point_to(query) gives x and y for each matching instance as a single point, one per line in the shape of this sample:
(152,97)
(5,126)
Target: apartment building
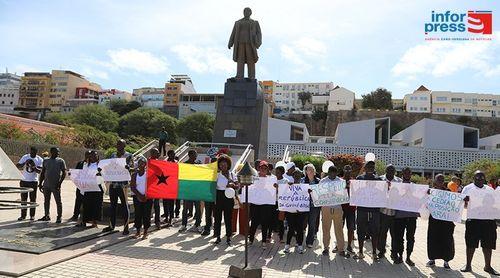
(452,103)
(177,85)
(137,93)
(9,91)
(286,95)
(152,99)
(64,85)
(113,94)
(196,103)
(35,92)
(337,99)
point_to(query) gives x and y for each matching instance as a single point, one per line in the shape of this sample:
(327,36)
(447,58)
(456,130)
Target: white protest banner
(261,192)
(293,198)
(445,205)
(329,193)
(85,179)
(483,204)
(114,169)
(407,196)
(370,194)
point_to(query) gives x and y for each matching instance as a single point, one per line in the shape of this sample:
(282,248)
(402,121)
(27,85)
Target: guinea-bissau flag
(183,181)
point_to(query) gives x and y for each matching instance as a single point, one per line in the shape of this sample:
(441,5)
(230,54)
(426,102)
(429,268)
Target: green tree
(380,166)
(381,98)
(491,169)
(122,106)
(93,138)
(197,127)
(58,118)
(12,131)
(301,160)
(305,97)
(98,116)
(319,115)
(147,122)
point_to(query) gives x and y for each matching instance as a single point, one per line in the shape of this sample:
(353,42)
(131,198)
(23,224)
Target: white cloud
(447,58)
(204,59)
(136,60)
(89,72)
(302,52)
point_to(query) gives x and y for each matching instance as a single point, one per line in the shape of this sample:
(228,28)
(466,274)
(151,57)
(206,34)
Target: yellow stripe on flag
(198,172)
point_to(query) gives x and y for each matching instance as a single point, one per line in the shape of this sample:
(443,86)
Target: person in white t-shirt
(31,164)
(479,230)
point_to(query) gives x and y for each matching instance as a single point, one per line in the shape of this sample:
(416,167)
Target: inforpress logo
(453,24)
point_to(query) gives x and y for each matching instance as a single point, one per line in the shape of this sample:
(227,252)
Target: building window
(456,110)
(423,98)
(296,133)
(455,99)
(440,109)
(417,142)
(498,146)
(441,99)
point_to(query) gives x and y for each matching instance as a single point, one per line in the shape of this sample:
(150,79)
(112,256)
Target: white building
(490,142)
(152,99)
(137,93)
(197,103)
(433,134)
(286,95)
(452,103)
(338,99)
(286,132)
(113,94)
(9,91)
(372,132)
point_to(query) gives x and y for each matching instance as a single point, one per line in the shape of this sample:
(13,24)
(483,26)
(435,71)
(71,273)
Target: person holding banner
(295,221)
(92,200)
(349,212)
(261,214)
(368,219)
(117,190)
(155,154)
(280,180)
(332,214)
(188,205)
(387,215)
(440,242)
(142,205)
(404,220)
(224,205)
(168,205)
(79,195)
(479,230)
(314,212)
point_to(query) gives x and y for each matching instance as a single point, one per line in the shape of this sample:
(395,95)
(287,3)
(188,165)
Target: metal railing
(146,148)
(243,158)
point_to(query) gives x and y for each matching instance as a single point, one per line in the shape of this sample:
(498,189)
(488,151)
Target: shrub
(301,160)
(340,160)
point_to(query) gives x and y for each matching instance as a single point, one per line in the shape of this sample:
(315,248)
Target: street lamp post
(245,177)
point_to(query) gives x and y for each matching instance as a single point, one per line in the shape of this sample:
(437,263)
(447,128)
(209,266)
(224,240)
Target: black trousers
(47,193)
(188,205)
(114,194)
(177,208)
(224,206)
(78,203)
(32,195)
(260,215)
(162,147)
(400,225)
(142,214)
(386,225)
(168,209)
(209,214)
(295,227)
(156,205)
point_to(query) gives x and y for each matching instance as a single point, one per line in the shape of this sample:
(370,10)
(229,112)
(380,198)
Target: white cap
(289,165)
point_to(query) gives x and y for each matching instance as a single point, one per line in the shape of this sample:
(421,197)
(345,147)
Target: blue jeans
(311,224)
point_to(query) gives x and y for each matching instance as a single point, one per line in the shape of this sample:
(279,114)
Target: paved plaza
(167,253)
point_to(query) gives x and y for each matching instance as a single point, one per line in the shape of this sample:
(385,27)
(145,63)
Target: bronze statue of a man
(246,38)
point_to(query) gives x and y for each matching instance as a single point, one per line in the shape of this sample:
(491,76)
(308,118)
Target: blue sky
(360,45)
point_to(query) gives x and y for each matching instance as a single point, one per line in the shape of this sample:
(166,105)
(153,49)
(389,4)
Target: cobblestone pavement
(168,253)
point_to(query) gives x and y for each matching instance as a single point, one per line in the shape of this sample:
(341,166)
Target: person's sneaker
(45,218)
(125,232)
(446,265)
(182,229)
(359,256)
(398,260)
(301,249)
(32,218)
(326,252)
(344,254)
(73,218)
(228,242)
(381,255)
(409,262)
(205,233)
(21,218)
(58,220)
(108,229)
(376,257)
(309,246)
(491,271)
(466,269)
(335,250)
(349,249)
(217,241)
(287,248)
(430,263)
(200,229)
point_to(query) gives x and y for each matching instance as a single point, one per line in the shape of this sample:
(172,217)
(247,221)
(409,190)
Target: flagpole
(247,210)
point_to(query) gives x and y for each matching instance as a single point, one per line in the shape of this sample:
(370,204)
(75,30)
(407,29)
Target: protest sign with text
(445,205)
(113,169)
(483,204)
(261,192)
(293,198)
(368,193)
(85,179)
(407,196)
(329,193)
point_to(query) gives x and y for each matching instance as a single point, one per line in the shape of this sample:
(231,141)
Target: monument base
(238,272)
(242,116)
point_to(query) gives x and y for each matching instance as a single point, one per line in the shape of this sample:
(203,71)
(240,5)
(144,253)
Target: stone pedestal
(242,116)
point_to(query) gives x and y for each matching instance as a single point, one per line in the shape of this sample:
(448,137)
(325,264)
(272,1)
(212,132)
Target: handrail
(182,148)
(244,156)
(145,148)
(286,154)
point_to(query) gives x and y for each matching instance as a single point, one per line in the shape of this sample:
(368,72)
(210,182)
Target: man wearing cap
(368,219)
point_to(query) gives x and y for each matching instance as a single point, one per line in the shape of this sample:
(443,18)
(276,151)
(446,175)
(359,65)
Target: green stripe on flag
(197,190)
